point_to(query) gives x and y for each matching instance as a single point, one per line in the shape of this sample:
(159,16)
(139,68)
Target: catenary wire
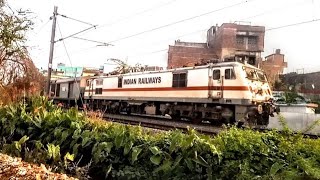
(294,24)
(61,39)
(180,21)
(89,40)
(136,14)
(75,78)
(270,29)
(76,19)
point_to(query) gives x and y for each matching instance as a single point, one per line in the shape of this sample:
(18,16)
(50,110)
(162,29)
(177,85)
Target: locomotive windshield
(254,74)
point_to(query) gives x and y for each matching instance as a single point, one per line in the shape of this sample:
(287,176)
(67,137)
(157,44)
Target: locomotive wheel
(196,118)
(176,116)
(252,118)
(128,110)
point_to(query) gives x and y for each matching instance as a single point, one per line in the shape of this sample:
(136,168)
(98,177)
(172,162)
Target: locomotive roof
(220,64)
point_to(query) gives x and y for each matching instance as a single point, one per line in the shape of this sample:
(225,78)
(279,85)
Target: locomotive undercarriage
(217,114)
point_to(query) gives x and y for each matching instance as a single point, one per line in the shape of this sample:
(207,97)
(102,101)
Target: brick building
(273,65)
(189,54)
(230,41)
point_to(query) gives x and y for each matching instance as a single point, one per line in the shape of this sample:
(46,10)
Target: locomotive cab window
(119,82)
(216,74)
(179,80)
(98,91)
(229,74)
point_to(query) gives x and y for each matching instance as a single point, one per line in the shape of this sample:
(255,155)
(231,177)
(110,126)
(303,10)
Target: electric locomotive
(224,92)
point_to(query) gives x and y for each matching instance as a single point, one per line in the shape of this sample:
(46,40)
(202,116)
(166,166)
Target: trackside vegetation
(70,142)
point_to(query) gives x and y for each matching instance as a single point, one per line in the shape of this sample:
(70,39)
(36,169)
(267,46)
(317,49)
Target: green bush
(69,142)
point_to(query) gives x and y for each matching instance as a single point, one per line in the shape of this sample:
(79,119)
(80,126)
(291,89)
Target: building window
(99,82)
(252,40)
(179,80)
(88,82)
(229,74)
(240,39)
(216,74)
(98,90)
(119,82)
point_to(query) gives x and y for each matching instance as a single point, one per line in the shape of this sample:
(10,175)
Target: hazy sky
(122,18)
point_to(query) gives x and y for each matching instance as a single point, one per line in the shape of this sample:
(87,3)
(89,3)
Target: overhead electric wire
(61,39)
(294,24)
(76,20)
(75,77)
(270,29)
(202,30)
(40,29)
(272,10)
(76,51)
(89,40)
(180,21)
(136,14)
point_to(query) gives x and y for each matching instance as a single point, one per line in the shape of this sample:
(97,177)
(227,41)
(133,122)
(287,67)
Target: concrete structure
(298,108)
(229,42)
(296,122)
(307,84)
(273,65)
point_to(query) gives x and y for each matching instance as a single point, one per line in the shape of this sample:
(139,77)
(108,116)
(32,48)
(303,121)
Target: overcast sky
(122,18)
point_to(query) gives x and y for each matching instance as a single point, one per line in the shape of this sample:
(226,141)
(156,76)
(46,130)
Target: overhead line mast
(53,33)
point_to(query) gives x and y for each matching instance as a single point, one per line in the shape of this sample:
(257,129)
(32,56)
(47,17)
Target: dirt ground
(13,168)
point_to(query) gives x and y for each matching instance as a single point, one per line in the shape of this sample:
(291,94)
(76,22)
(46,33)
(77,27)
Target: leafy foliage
(70,142)
(17,71)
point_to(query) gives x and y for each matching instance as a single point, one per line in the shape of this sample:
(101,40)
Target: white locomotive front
(221,92)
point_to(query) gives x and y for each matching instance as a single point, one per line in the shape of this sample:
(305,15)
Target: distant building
(229,42)
(307,84)
(63,72)
(274,65)
(69,71)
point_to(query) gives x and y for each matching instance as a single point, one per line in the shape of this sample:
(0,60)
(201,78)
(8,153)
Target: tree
(124,67)
(17,71)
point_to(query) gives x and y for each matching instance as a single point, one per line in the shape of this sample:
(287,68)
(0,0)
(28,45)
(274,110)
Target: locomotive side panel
(194,84)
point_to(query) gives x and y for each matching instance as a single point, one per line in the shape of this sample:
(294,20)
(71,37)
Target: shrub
(70,142)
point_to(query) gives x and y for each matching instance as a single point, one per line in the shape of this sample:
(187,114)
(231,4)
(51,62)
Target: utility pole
(53,32)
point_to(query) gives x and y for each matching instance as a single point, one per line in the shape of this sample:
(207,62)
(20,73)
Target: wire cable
(76,20)
(271,11)
(61,39)
(294,24)
(40,29)
(180,21)
(102,43)
(75,78)
(136,14)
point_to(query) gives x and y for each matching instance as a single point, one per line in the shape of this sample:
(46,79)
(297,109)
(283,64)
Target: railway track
(161,123)
(166,123)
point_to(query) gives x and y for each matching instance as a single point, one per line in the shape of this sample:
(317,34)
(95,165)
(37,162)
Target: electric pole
(53,32)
